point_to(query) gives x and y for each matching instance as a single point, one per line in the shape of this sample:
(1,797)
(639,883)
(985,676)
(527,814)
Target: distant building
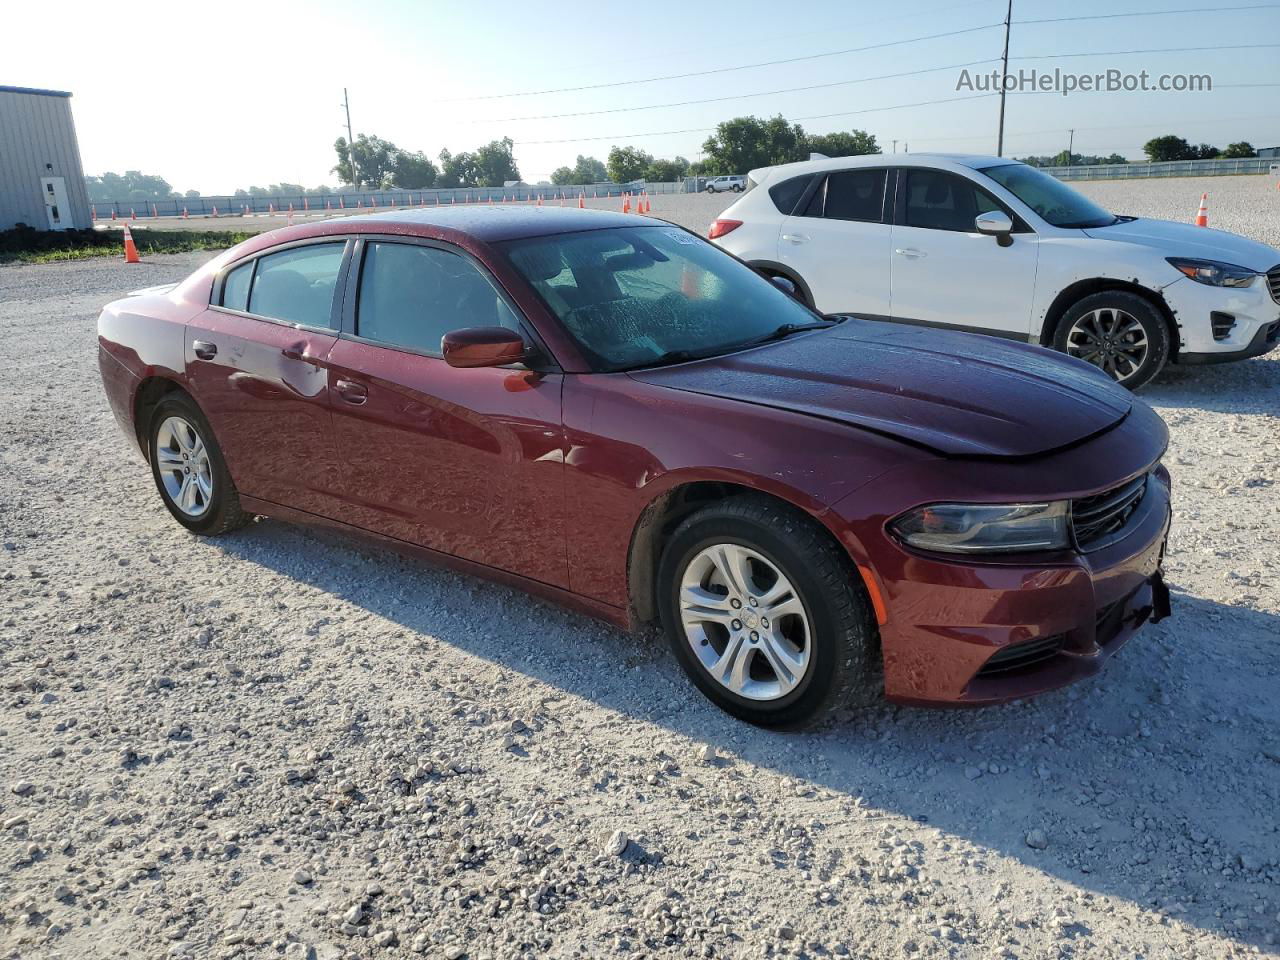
(1269,152)
(41,180)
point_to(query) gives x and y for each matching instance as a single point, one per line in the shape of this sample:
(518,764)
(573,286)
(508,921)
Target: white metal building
(41,180)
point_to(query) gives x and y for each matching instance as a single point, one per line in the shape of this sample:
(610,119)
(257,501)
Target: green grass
(25,245)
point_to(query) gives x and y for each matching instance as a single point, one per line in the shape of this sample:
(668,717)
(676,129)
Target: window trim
(335,315)
(540,358)
(900,201)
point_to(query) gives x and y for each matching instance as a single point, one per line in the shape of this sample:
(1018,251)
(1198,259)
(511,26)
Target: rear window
(235,288)
(297,285)
(855,195)
(787,194)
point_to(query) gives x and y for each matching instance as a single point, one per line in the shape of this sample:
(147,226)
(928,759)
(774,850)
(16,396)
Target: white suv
(995,246)
(737,183)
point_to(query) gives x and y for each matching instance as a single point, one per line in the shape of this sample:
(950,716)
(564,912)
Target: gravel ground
(279,744)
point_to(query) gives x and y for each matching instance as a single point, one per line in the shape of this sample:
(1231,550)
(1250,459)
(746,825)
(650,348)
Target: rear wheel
(766,615)
(189,470)
(1121,333)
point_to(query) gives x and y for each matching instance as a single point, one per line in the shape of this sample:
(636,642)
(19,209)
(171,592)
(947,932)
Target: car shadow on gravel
(1249,386)
(1155,782)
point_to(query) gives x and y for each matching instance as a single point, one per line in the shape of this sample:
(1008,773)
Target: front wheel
(1123,334)
(766,614)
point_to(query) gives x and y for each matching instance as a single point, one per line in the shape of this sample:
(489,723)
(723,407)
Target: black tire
(220,512)
(710,188)
(1122,370)
(737,188)
(844,666)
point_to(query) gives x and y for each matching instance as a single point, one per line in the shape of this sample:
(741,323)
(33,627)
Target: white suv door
(838,242)
(944,272)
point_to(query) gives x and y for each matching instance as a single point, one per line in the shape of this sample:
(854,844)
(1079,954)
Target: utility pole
(1071,140)
(346,105)
(1004,77)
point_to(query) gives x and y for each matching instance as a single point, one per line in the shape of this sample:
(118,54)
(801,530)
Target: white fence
(1172,168)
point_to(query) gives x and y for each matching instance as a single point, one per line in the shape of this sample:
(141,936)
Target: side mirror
(482,347)
(996,224)
(785,285)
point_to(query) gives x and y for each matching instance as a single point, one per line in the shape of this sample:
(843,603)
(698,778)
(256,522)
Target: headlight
(986,528)
(1213,273)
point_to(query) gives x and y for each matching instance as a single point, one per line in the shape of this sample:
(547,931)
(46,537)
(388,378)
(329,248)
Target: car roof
(492,223)
(972,160)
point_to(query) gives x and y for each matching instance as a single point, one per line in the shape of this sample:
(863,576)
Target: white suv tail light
(720,227)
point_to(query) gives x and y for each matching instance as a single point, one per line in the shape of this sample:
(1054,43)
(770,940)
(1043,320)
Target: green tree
(368,163)
(1239,151)
(744,143)
(853,143)
(495,164)
(667,171)
(627,163)
(412,171)
(1168,147)
(132,185)
(589,170)
(1206,151)
(562,176)
(456,170)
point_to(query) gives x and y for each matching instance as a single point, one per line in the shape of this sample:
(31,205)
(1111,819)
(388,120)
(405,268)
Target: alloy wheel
(1112,340)
(182,459)
(745,622)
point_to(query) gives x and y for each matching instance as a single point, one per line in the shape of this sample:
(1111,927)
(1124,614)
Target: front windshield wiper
(787,329)
(665,359)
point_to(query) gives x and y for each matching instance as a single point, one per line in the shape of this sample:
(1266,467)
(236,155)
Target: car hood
(1187,240)
(959,394)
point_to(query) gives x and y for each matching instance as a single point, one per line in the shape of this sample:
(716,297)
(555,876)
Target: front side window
(1049,197)
(411,296)
(936,200)
(297,285)
(637,296)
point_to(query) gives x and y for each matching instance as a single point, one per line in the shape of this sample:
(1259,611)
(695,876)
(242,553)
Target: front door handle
(351,391)
(910,252)
(204,349)
(795,237)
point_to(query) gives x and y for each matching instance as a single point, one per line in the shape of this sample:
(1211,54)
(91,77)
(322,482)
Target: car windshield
(1048,196)
(645,296)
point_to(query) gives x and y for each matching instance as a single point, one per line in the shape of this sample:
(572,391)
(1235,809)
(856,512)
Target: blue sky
(215,98)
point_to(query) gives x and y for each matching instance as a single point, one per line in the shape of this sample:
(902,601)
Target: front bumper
(949,622)
(1255,317)
(1045,625)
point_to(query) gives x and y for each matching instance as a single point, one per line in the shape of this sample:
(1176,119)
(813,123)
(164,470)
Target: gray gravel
(279,744)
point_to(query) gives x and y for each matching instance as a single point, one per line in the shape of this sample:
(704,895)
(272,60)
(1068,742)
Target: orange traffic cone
(582,201)
(215,212)
(1202,215)
(130,251)
(626,203)
(154,212)
(133,214)
(93,212)
(113,213)
(184,213)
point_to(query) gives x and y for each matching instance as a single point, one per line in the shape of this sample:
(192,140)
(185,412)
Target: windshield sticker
(679,236)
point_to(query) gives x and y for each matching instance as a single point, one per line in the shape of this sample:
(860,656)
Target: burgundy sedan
(608,411)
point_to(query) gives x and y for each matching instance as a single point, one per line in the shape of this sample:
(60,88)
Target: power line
(742,96)
(1120,53)
(1150,13)
(818,116)
(719,70)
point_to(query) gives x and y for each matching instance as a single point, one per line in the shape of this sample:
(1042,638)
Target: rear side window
(297,285)
(235,288)
(411,296)
(787,194)
(855,195)
(943,201)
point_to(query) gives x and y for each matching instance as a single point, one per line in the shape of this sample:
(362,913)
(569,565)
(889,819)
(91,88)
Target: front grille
(1016,656)
(1095,519)
(1273,282)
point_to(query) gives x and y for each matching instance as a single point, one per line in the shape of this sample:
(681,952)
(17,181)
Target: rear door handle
(298,351)
(204,349)
(351,391)
(795,237)
(910,252)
